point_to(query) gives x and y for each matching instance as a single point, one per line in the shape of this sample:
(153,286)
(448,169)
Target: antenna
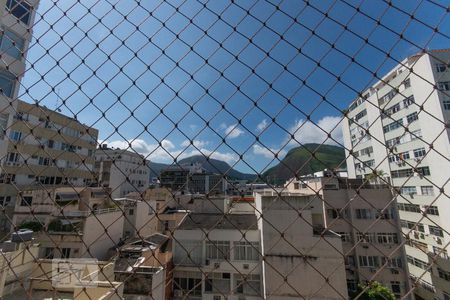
(57,100)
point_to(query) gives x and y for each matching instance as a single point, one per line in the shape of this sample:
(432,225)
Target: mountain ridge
(298,161)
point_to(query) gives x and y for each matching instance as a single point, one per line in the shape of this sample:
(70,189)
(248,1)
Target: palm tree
(376,175)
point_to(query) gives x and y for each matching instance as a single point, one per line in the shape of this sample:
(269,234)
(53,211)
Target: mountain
(155,169)
(297,159)
(211,165)
(300,160)
(217,166)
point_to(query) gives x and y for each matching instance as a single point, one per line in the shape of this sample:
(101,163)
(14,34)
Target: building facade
(366,217)
(43,148)
(122,171)
(399,128)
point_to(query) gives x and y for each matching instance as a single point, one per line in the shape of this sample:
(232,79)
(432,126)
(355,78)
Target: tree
(373,291)
(376,175)
(33,225)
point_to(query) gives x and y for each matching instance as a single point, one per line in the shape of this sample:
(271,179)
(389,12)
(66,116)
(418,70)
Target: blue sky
(156,80)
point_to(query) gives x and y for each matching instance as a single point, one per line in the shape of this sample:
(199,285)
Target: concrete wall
(97,239)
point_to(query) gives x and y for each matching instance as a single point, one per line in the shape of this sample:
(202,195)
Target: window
(424,171)
(12,157)
(418,153)
(246,251)
(217,283)
(407,83)
(412,225)
(131,212)
(409,207)
(7,83)
(427,190)
(20,9)
(434,230)
(49,253)
(392,126)
(387,238)
(26,201)
(44,161)
(369,261)
(395,262)
(218,250)
(366,237)
(441,67)
(446,104)
(337,213)
(3,125)
(352,285)
(189,283)
(360,115)
(363,213)
(408,101)
(431,210)
(345,237)
(417,262)
(15,135)
(444,86)
(11,44)
(408,190)
(396,288)
(5,200)
(444,274)
(412,117)
(247,284)
(65,252)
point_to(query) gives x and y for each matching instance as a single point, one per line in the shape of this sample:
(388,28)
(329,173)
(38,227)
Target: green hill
(217,166)
(302,161)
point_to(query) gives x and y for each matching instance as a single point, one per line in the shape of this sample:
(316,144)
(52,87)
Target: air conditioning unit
(216,265)
(394,271)
(246,266)
(207,262)
(372,270)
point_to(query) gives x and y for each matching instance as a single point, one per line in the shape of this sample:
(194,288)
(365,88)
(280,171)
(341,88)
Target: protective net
(225,149)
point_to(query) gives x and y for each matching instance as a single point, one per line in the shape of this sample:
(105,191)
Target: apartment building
(218,255)
(122,171)
(212,266)
(193,179)
(17,257)
(366,217)
(70,222)
(42,148)
(399,127)
(299,261)
(144,265)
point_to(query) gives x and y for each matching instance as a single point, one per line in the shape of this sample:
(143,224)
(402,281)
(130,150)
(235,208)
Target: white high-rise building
(122,171)
(399,128)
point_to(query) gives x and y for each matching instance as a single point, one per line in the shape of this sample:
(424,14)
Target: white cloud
(262,125)
(268,152)
(308,132)
(197,143)
(233,131)
(167,151)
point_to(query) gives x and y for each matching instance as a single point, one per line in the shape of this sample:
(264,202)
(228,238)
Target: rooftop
(219,221)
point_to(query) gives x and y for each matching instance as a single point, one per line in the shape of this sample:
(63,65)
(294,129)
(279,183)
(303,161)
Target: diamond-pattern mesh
(224,149)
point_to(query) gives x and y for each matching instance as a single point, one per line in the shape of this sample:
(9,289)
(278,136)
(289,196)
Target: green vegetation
(57,226)
(374,291)
(306,159)
(33,225)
